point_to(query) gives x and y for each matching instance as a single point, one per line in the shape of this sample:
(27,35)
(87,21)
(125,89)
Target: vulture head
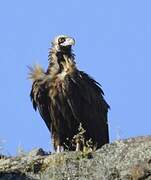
(63,43)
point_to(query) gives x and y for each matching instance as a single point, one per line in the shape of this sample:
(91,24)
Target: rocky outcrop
(122,160)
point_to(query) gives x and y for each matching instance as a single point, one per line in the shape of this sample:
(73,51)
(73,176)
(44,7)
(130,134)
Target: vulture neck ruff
(61,63)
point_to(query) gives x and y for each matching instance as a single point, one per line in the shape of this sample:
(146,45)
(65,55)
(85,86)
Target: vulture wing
(40,100)
(85,97)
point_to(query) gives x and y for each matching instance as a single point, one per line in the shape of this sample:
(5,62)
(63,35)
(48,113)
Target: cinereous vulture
(67,97)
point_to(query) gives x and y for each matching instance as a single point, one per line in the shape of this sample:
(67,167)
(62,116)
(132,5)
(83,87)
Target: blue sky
(113,42)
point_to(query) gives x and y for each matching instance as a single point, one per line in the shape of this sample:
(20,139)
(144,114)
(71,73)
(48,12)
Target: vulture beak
(68,42)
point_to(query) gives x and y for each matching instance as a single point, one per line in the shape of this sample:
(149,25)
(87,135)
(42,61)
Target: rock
(37,151)
(122,160)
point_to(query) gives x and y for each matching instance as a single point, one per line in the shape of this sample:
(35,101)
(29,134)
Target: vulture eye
(61,40)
